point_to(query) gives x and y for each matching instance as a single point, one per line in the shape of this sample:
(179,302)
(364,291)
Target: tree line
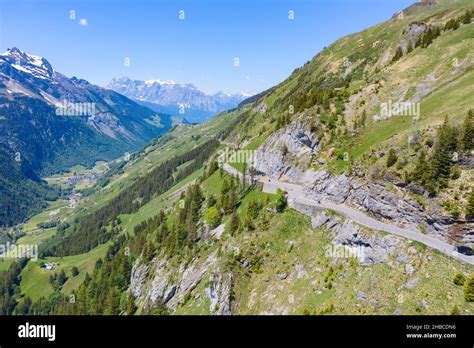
(94,229)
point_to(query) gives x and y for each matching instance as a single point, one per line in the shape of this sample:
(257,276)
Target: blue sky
(199,49)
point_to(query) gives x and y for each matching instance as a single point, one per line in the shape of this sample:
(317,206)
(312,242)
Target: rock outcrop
(160,282)
(219,290)
(381,203)
(286,154)
(412,35)
(368,248)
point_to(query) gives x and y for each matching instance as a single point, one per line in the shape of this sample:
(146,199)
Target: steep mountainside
(21,192)
(183,100)
(325,128)
(354,124)
(245,217)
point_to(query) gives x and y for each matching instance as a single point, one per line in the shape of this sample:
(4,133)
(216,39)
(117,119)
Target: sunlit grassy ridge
(358,66)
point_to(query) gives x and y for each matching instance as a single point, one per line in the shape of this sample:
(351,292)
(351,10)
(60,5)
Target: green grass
(34,280)
(254,194)
(380,132)
(36,235)
(263,291)
(5,263)
(163,201)
(213,184)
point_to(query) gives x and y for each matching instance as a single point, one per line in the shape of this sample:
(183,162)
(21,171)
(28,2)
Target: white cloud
(83,22)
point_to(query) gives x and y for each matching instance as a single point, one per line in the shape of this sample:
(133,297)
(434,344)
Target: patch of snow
(160,82)
(39,74)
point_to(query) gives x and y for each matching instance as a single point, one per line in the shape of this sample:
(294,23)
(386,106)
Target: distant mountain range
(49,122)
(183,100)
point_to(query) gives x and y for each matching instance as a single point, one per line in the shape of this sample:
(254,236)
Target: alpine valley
(345,189)
(35,141)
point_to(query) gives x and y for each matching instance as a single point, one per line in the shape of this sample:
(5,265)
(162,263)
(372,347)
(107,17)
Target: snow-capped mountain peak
(170,97)
(34,65)
(223,94)
(160,82)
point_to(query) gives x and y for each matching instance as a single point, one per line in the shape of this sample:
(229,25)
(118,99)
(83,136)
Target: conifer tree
(441,160)
(398,54)
(421,170)
(467,132)
(62,278)
(470,206)
(466,18)
(391,158)
(234,223)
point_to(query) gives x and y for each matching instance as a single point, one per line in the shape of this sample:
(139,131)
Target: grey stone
(402,258)
(246,263)
(320,219)
(361,296)
(414,138)
(411,283)
(409,270)
(416,189)
(287,152)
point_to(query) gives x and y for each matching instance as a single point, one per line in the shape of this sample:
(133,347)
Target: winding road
(296,194)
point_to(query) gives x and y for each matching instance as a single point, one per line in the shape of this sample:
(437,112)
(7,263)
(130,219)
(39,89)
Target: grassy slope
(261,289)
(34,280)
(383,284)
(367,49)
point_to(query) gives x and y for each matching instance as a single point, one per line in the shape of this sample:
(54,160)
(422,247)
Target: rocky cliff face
(160,281)
(393,205)
(287,153)
(286,156)
(412,35)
